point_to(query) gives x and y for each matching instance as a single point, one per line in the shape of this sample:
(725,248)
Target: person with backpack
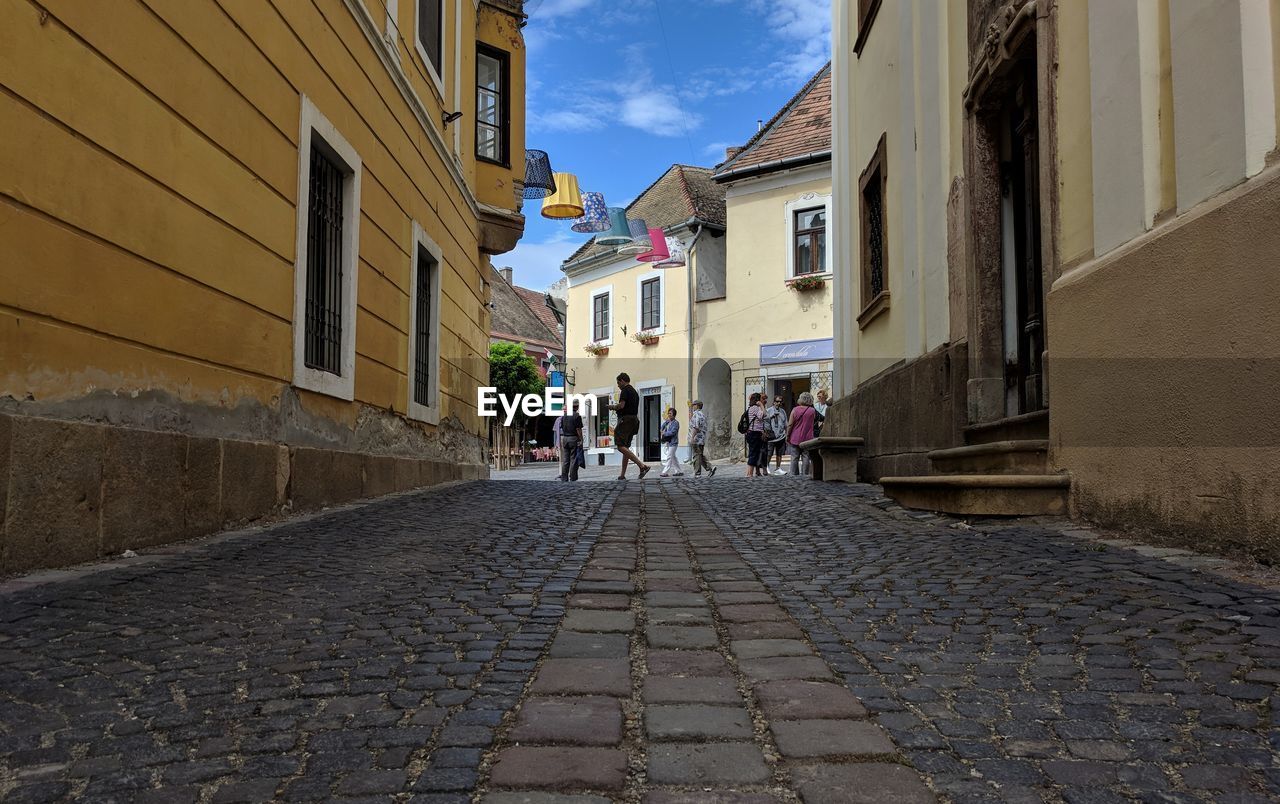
(752,426)
(570,432)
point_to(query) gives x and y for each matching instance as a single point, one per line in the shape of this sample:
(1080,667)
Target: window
(492,77)
(600,304)
(866,16)
(872,193)
(424,328)
(325,265)
(430,36)
(810,242)
(651,304)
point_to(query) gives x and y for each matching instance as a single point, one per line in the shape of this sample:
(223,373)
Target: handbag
(580,457)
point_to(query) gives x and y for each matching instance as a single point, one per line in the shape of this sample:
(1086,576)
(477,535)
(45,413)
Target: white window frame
(425,413)
(315,126)
(444,40)
(607,290)
(806,202)
(661,276)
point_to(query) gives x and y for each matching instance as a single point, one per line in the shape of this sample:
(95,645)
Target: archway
(715,387)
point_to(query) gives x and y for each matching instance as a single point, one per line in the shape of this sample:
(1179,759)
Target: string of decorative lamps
(563,200)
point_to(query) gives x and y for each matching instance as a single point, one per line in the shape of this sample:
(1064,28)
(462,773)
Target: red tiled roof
(801,127)
(538,304)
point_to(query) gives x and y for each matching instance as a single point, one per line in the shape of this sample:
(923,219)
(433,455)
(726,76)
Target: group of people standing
(770,431)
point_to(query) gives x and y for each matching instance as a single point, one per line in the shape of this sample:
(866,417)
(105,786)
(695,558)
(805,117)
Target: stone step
(1025,457)
(982,495)
(1014,428)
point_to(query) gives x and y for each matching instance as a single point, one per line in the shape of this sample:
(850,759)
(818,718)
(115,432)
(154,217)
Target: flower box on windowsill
(645,338)
(596,349)
(804,284)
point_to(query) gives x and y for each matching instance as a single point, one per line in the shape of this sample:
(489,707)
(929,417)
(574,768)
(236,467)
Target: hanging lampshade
(659,251)
(538,181)
(566,202)
(619,233)
(639,237)
(595,215)
(677,259)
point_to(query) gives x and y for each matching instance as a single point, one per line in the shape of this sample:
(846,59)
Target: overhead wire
(671,70)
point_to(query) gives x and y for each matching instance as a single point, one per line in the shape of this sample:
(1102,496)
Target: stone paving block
(584,677)
(738,598)
(772,669)
(571,721)
(573,645)
(509,797)
(560,768)
(774,630)
(672,584)
(605,575)
(599,601)
(672,689)
(708,797)
(697,722)
(687,663)
(681,637)
(830,738)
(597,621)
(764,648)
(754,613)
(674,599)
(605,587)
(682,616)
(807,700)
(861,783)
(710,764)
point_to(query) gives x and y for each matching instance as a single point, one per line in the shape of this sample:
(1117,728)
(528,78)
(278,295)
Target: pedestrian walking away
(800,427)
(757,459)
(698,439)
(670,445)
(569,432)
(628,410)
(775,429)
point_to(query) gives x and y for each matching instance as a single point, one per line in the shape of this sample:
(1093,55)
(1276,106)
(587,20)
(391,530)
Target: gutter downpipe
(688,270)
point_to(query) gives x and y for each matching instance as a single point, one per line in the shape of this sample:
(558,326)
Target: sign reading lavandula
(797,351)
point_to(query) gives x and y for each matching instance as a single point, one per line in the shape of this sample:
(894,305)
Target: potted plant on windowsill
(803,284)
(596,349)
(645,337)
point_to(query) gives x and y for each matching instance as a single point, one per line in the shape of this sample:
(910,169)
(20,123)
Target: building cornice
(750,171)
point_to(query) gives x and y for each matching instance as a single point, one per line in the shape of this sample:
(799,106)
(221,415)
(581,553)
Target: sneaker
(662,475)
(712,472)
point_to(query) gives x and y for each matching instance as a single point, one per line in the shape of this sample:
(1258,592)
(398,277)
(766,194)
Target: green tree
(513,372)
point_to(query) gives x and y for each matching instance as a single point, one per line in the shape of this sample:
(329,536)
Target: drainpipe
(688,270)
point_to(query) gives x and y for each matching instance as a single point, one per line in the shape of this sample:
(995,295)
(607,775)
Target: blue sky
(614,103)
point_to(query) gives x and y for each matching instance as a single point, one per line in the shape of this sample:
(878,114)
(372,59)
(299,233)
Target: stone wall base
(904,413)
(73,491)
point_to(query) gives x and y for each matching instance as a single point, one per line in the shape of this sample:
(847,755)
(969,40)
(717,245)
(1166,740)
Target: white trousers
(670,463)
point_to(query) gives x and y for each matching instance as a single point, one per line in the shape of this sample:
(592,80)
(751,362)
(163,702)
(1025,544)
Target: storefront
(792,368)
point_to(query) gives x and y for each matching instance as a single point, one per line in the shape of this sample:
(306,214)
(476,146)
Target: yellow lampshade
(566,202)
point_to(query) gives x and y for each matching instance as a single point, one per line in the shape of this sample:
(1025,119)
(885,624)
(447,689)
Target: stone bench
(834,457)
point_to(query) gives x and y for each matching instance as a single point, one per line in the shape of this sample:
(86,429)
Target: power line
(671,70)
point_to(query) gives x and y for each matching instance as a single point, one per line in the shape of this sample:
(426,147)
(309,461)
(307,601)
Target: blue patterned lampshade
(639,237)
(677,258)
(538,181)
(619,233)
(595,215)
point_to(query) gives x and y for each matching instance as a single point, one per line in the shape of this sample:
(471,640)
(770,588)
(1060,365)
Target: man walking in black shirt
(570,440)
(628,409)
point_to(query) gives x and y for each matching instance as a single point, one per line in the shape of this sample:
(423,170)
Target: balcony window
(492,104)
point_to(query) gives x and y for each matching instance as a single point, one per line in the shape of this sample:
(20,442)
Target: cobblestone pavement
(730,641)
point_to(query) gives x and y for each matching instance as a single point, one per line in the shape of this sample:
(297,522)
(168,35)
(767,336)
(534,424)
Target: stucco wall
(1164,373)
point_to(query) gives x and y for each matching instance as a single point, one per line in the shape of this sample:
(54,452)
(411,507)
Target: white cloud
(538,264)
(658,113)
(550,9)
(806,25)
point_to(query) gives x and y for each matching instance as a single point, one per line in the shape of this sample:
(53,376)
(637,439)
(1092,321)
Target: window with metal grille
(811,241)
(323,333)
(423,367)
(491,104)
(600,317)
(651,304)
(874,244)
(431,33)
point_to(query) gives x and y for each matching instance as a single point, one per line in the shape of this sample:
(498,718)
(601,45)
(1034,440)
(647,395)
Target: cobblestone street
(715,640)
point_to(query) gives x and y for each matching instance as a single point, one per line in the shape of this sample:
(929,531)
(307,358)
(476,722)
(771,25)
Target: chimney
(759,126)
(507,274)
(730,153)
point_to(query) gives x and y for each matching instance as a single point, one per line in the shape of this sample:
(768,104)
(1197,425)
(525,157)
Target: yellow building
(769,328)
(614,299)
(246,254)
(1075,227)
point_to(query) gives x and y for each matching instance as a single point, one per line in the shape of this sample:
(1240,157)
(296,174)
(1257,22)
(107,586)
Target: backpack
(743,424)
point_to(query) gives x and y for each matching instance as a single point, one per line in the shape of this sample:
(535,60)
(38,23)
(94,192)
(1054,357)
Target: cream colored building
(761,331)
(612,297)
(1076,245)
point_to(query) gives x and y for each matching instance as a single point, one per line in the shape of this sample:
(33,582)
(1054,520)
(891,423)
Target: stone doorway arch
(715,389)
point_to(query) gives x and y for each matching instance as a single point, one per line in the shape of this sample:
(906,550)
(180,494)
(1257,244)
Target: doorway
(652,430)
(790,390)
